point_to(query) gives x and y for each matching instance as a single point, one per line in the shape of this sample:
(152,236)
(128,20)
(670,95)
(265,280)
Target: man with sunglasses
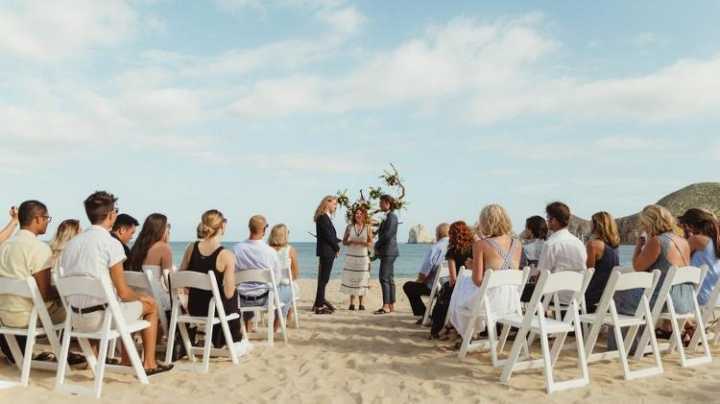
(24,256)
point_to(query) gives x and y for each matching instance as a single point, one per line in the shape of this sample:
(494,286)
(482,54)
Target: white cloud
(309,163)
(644,39)
(345,20)
(46,30)
(632,143)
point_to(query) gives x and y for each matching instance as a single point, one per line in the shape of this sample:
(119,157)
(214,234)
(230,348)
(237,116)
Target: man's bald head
(257,225)
(442,231)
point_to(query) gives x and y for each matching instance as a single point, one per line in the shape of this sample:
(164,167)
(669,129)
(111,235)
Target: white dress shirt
(563,251)
(92,252)
(255,254)
(433,258)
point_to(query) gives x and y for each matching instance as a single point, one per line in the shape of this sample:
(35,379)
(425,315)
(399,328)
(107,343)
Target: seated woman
(536,231)
(151,253)
(703,235)
(459,254)
(497,251)
(602,254)
(287,256)
(66,230)
(661,249)
(208,255)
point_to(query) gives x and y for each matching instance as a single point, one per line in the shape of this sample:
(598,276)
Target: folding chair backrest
(138,280)
(635,280)
(506,277)
(16,287)
(254,275)
(569,281)
(190,279)
(81,285)
(689,274)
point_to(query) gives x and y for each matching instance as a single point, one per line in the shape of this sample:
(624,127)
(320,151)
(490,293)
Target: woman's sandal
(381,311)
(322,310)
(351,307)
(361,308)
(159,369)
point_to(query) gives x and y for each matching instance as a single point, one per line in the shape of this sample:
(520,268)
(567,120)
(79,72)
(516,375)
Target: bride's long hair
(322,208)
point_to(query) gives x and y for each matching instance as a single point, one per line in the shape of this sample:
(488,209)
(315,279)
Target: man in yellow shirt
(24,256)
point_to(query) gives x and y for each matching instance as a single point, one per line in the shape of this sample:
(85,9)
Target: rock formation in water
(420,235)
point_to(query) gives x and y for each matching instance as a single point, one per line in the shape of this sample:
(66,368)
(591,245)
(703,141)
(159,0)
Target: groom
(387,250)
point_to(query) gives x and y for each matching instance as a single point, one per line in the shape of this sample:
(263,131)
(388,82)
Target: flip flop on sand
(381,311)
(159,369)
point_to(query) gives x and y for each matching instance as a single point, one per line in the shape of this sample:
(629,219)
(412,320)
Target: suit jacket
(328,243)
(386,245)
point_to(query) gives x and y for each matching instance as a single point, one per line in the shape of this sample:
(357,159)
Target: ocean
(406,266)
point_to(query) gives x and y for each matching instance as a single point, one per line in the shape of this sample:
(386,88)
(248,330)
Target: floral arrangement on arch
(391,179)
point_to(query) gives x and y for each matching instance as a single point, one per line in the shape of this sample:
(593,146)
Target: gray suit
(386,248)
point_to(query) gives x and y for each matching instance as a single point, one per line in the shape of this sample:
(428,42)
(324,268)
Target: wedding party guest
(428,271)
(387,250)
(151,253)
(327,249)
(24,256)
(602,254)
(254,253)
(9,228)
(703,235)
(66,230)
(287,256)
(536,231)
(356,272)
(661,250)
(123,230)
(562,250)
(95,252)
(498,251)
(459,254)
(208,255)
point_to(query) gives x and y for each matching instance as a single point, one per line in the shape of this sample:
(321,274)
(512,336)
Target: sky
(265,106)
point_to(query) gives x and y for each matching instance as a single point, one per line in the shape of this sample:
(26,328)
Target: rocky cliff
(420,235)
(704,195)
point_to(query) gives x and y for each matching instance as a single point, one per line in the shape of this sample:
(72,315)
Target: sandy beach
(357,357)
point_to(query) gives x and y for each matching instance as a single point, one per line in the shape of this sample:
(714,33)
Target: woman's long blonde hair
(494,221)
(278,236)
(605,228)
(322,207)
(65,231)
(656,220)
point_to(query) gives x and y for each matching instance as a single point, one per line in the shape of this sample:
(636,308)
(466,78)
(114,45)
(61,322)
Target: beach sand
(358,357)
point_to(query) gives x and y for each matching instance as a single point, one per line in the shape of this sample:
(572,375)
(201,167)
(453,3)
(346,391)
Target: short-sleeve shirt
(255,254)
(92,252)
(21,257)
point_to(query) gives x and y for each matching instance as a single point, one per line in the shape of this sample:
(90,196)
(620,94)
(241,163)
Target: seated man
(429,269)
(123,231)
(24,256)
(254,253)
(95,252)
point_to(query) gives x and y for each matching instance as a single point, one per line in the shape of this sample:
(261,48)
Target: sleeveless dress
(156,274)
(603,268)
(503,299)
(356,271)
(627,301)
(199,300)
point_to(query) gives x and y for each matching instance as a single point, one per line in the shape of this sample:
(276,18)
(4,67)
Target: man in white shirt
(562,250)
(96,253)
(428,271)
(254,253)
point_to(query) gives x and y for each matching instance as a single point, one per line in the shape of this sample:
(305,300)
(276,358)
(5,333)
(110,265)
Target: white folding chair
(113,326)
(293,298)
(462,273)
(693,276)
(27,288)
(272,308)
(142,282)
(534,320)
(216,315)
(555,305)
(442,273)
(606,314)
(710,316)
(480,311)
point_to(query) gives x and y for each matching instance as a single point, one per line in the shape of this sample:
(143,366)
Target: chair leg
(466,337)
(62,359)
(270,321)
(88,352)
(185,337)
(281,319)
(547,362)
(228,340)
(207,348)
(514,355)
(100,367)
(171,335)
(27,359)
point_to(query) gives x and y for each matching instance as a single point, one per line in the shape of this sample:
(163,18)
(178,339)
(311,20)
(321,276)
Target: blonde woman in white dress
(356,271)
(287,255)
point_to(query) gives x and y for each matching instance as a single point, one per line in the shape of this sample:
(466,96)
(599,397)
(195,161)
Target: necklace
(358,232)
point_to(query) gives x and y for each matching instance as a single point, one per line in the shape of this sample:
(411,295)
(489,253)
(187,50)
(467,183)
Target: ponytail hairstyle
(211,224)
(153,230)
